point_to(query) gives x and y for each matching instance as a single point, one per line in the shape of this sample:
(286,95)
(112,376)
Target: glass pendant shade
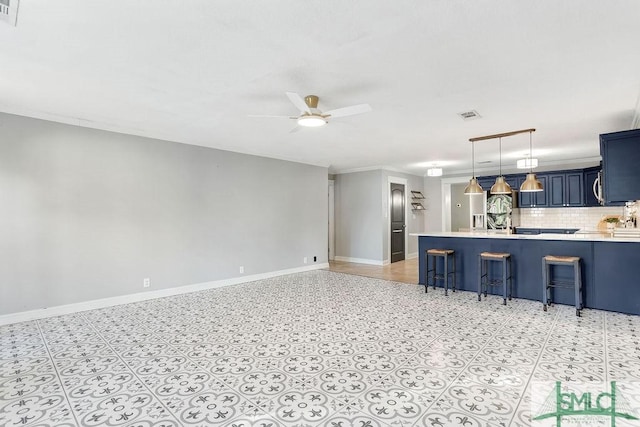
(531,184)
(501,186)
(473,188)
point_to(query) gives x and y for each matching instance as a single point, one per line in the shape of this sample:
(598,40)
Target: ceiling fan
(311,116)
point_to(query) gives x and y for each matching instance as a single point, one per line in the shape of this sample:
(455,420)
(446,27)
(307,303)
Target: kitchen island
(610,265)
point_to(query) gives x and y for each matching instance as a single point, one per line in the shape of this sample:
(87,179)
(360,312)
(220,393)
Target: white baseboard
(359,260)
(143,296)
(412,256)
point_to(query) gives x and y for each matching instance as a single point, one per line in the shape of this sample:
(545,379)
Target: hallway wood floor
(402,271)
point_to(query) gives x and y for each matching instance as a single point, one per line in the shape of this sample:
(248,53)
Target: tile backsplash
(582,218)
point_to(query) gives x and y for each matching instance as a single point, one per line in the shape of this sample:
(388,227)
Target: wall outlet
(242,269)
(146,283)
(305,260)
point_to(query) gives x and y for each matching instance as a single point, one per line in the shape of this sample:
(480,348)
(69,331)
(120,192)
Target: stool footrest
(432,275)
(548,282)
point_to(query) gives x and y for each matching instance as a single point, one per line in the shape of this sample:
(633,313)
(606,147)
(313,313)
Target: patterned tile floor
(310,349)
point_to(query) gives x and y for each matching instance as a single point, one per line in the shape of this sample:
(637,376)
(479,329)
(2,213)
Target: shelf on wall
(415,206)
(417,195)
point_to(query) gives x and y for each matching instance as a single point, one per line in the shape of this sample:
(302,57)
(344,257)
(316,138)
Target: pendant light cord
(530,154)
(473,159)
(500,142)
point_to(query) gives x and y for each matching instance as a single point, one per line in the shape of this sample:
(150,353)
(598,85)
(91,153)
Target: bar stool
(446,254)
(548,282)
(483,274)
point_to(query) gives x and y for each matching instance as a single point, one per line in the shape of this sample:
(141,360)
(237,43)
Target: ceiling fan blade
(270,117)
(295,129)
(298,102)
(348,111)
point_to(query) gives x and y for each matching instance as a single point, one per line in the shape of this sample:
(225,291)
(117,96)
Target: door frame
(332,224)
(387,214)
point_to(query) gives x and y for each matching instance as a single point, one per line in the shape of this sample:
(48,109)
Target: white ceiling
(192,71)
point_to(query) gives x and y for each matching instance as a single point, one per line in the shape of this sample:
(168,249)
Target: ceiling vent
(469,115)
(9,11)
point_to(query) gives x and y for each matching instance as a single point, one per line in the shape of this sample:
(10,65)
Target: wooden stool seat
(561,259)
(432,274)
(497,255)
(439,251)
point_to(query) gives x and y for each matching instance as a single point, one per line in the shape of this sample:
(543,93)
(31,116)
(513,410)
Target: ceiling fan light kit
(311,117)
(311,121)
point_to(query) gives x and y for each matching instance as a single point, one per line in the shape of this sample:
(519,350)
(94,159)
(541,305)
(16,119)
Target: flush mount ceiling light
(434,172)
(531,184)
(527,163)
(473,189)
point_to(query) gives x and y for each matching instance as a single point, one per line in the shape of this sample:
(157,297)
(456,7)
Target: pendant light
(501,186)
(531,184)
(473,189)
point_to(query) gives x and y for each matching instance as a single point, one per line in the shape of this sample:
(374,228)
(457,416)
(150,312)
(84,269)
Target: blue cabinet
(620,172)
(566,189)
(561,189)
(533,200)
(486,182)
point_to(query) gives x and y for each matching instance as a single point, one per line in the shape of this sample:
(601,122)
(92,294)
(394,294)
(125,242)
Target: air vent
(484,162)
(9,11)
(469,115)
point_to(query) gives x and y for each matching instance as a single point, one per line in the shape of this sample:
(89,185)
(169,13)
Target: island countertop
(589,236)
(610,266)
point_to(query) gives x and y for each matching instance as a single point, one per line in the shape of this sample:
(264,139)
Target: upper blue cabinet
(566,189)
(620,166)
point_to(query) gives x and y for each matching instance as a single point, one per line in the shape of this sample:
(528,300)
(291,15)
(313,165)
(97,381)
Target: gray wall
(87,214)
(358,211)
(460,215)
(433,204)
(361,214)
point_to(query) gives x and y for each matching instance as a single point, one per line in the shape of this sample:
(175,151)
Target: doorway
(397,220)
(459,208)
